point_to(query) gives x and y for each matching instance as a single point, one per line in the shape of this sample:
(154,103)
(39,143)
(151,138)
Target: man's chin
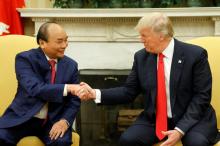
(150,50)
(60,56)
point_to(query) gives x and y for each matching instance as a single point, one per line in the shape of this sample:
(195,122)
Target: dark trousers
(144,135)
(33,127)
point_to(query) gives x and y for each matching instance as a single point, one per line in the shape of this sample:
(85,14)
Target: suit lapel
(60,71)
(152,75)
(43,65)
(176,70)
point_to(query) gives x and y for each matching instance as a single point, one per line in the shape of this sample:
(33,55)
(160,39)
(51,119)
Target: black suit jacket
(190,89)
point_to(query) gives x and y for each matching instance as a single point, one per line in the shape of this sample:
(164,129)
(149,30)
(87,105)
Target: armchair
(10,46)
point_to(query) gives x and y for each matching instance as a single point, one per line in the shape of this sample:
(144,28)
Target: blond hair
(159,23)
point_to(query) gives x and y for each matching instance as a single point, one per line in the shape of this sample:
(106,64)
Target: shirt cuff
(98,96)
(68,124)
(65,92)
(178,129)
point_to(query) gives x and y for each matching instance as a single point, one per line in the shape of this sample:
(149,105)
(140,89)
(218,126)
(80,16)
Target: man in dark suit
(176,82)
(45,104)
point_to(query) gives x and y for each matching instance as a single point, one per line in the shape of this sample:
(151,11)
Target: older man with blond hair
(176,82)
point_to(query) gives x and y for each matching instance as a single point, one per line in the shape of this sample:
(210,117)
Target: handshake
(82,90)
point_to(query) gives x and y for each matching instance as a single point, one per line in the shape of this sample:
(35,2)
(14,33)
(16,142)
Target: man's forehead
(61,37)
(145,30)
(54,29)
(58,36)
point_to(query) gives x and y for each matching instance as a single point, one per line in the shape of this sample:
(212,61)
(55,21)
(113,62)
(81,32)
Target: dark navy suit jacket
(35,90)
(190,89)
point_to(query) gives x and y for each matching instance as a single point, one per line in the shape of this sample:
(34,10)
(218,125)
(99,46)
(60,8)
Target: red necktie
(161,107)
(53,70)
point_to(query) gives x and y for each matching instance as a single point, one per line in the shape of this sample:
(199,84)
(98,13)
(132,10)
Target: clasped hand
(82,90)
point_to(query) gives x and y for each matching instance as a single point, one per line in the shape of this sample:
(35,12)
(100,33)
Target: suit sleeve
(126,93)
(33,83)
(201,95)
(72,103)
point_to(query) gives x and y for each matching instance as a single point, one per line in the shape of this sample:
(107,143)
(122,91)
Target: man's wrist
(179,130)
(67,123)
(71,88)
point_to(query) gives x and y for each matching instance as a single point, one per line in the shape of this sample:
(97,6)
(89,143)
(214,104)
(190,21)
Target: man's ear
(161,37)
(42,43)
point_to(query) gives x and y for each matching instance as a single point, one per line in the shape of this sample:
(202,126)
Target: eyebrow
(62,38)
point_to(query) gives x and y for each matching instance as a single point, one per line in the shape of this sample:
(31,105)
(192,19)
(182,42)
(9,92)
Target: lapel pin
(179,61)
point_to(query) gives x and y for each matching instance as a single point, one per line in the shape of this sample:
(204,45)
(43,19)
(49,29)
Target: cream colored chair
(212,45)
(9,46)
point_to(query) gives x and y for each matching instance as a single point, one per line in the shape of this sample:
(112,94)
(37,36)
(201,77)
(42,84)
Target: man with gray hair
(176,82)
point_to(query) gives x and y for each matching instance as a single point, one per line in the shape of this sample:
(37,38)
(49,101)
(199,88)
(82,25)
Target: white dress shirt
(168,56)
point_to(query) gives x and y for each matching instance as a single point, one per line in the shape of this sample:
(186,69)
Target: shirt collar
(168,52)
(49,58)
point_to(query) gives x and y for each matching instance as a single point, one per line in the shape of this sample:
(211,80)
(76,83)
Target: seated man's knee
(195,140)
(60,142)
(127,140)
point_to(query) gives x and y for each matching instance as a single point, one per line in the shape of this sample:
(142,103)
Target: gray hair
(159,23)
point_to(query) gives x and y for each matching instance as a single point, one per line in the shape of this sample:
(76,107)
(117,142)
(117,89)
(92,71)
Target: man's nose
(142,40)
(64,44)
